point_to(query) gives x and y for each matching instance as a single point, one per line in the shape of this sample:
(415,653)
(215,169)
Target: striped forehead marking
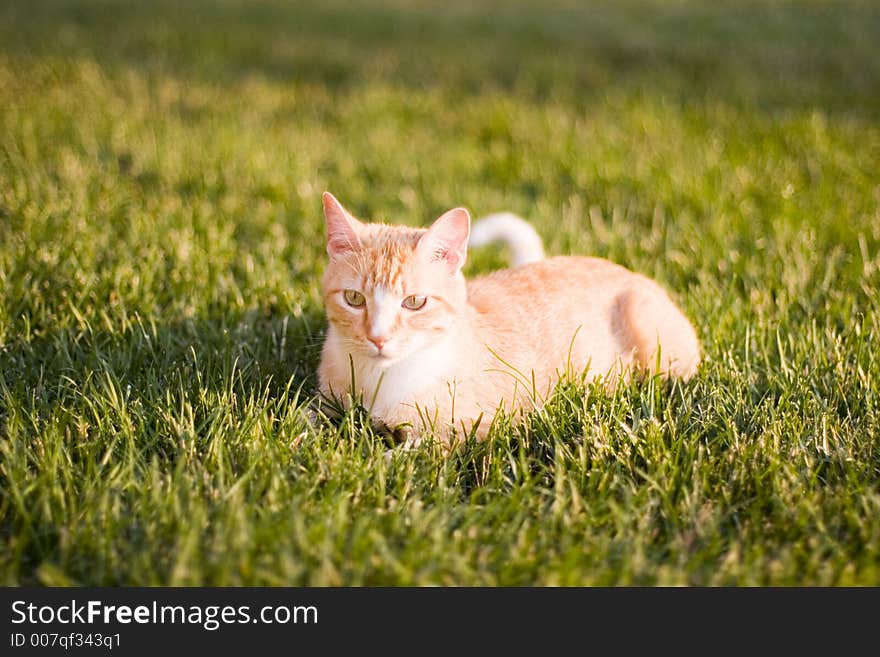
(388,267)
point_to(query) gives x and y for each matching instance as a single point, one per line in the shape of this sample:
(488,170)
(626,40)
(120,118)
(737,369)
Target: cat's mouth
(382,357)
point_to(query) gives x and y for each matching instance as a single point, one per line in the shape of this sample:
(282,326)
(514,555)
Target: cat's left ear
(446,239)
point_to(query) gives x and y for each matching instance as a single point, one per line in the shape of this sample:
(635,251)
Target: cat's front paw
(406,438)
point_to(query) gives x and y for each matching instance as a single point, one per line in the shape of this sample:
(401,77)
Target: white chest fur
(424,378)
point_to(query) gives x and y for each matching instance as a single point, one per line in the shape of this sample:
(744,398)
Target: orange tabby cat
(426,349)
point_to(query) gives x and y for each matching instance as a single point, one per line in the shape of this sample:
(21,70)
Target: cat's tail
(514,232)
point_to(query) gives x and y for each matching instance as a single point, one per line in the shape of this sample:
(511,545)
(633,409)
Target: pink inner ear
(341,241)
(342,228)
(446,239)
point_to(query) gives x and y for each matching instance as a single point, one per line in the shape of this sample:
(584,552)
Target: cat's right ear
(342,228)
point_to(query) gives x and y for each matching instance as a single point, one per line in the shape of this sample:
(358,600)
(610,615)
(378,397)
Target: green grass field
(161,244)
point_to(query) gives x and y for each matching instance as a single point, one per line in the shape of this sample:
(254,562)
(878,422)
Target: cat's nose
(378,340)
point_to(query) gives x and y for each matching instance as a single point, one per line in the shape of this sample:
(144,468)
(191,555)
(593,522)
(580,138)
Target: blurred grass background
(161,243)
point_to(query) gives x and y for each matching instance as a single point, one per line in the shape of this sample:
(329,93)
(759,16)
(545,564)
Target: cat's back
(592,309)
(566,278)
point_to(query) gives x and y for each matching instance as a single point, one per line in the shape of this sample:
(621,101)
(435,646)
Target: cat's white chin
(383,360)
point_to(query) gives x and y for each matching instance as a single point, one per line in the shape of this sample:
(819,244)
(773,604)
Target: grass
(160,320)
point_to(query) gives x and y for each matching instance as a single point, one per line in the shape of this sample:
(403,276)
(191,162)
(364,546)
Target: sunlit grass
(160,319)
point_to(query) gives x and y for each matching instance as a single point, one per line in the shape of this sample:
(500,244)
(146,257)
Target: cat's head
(391,291)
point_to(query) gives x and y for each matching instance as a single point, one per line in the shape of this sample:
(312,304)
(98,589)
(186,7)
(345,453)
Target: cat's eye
(354,298)
(414,302)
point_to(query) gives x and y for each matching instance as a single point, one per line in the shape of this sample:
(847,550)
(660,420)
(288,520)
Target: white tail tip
(514,232)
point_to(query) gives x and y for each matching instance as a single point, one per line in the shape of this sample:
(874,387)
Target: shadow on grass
(154,373)
(765,55)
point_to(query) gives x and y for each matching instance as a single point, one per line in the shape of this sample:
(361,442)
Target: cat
(429,352)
